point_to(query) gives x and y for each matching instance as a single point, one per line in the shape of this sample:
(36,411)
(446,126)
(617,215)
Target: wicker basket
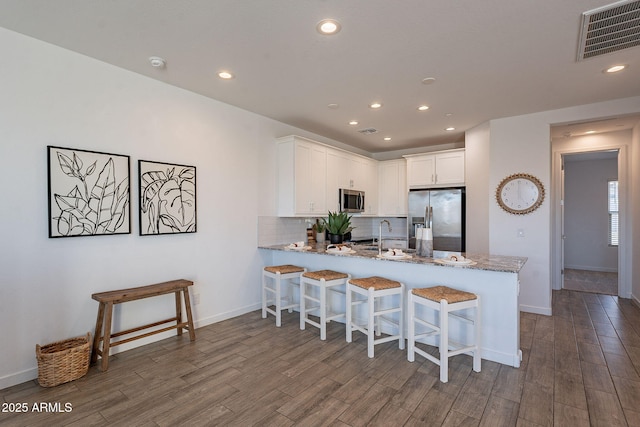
(63,361)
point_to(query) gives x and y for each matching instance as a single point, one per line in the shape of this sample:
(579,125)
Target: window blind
(613,213)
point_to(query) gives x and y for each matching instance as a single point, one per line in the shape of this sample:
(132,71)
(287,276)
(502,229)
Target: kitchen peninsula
(493,278)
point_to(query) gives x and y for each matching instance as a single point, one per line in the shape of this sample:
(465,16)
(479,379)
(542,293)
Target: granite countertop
(508,264)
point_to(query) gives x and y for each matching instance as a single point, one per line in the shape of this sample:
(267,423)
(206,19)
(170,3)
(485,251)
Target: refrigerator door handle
(427,217)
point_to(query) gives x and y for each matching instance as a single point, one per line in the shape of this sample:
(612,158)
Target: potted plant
(338,224)
(319,227)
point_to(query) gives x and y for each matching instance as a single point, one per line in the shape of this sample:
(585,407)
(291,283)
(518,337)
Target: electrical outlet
(196,299)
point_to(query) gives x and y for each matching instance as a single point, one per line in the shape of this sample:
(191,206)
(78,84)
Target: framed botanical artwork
(89,193)
(167,198)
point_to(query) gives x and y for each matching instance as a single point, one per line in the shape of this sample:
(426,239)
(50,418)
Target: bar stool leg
(401,320)
(371,323)
(303,309)
(290,294)
(323,309)
(477,360)
(348,314)
(411,355)
(264,296)
(278,301)
(444,341)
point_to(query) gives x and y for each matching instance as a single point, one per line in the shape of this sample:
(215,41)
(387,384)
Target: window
(613,213)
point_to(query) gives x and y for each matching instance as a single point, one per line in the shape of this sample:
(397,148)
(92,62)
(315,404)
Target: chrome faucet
(380,235)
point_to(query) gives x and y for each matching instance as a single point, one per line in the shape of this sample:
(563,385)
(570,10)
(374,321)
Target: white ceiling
(490,58)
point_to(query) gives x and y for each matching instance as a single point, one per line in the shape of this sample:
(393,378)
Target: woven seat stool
(274,279)
(444,300)
(371,291)
(326,283)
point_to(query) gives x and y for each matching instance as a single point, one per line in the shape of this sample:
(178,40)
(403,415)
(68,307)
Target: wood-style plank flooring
(580,367)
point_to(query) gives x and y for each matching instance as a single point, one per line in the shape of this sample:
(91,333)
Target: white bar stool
(374,289)
(279,276)
(445,300)
(326,282)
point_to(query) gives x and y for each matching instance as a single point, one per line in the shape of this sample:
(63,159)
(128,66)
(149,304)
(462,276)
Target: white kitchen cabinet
(444,168)
(347,170)
(392,188)
(337,176)
(302,174)
(370,181)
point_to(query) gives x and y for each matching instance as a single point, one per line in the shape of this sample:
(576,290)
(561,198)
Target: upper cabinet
(302,174)
(444,168)
(392,188)
(370,180)
(347,170)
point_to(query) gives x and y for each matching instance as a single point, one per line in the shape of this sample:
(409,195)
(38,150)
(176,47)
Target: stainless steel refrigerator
(442,210)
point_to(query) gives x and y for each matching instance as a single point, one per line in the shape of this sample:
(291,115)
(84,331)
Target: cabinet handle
(433,178)
(436,181)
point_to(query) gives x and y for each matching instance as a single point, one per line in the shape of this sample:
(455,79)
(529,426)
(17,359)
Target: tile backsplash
(273,230)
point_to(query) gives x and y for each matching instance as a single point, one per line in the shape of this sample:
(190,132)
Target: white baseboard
(592,268)
(32,373)
(546,311)
(18,378)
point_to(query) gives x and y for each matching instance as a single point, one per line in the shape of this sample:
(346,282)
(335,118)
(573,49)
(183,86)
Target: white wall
(634,231)
(522,144)
(50,96)
(586,214)
(477,171)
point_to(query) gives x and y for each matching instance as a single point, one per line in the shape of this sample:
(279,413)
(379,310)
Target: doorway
(562,146)
(590,222)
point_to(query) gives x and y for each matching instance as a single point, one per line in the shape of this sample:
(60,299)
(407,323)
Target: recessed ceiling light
(333,106)
(387,138)
(428,80)
(328,27)
(615,68)
(157,62)
(225,75)
(423,108)
(449,128)
(375,105)
(353,122)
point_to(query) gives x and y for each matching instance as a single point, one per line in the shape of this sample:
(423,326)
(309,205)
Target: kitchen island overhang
(493,278)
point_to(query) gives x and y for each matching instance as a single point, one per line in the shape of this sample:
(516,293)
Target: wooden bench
(105,314)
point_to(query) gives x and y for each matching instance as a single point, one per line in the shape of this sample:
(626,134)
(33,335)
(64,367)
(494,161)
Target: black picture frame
(167,198)
(89,193)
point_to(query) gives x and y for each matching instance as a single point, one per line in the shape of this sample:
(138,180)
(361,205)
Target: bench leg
(179,309)
(187,306)
(106,340)
(98,334)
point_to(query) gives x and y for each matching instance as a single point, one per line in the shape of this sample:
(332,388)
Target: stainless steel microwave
(351,200)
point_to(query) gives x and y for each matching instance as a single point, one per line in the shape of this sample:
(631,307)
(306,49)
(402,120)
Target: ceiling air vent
(368,131)
(609,29)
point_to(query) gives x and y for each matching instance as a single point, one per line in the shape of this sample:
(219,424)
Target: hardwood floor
(580,367)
